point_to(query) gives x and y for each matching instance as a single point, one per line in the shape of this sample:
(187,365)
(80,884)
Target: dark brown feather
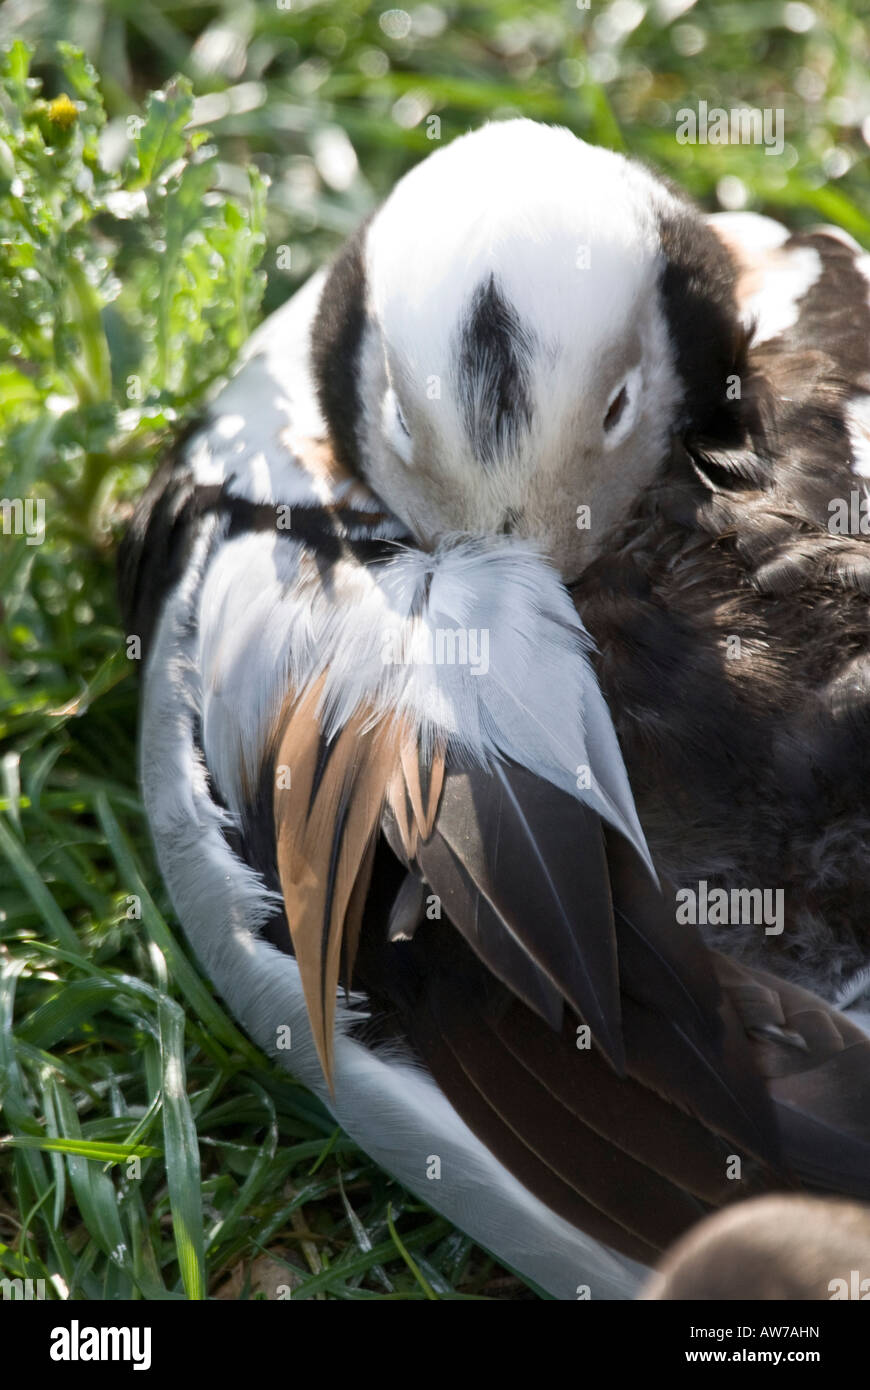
(535,859)
(609,1153)
(817,1066)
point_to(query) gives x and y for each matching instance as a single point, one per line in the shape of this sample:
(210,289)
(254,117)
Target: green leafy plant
(129,284)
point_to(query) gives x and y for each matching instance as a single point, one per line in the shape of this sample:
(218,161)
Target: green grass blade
(181,1154)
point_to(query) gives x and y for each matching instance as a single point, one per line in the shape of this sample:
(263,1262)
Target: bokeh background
(331,99)
(146,1149)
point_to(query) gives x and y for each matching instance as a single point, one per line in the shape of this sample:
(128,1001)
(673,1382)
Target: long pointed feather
(324,834)
(536,858)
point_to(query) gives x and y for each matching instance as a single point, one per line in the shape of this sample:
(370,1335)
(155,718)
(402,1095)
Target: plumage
(527,853)
(743,551)
(328,799)
(784,1247)
(324,828)
(410,728)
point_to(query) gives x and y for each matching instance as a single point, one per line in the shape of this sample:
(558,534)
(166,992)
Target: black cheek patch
(336,339)
(697,290)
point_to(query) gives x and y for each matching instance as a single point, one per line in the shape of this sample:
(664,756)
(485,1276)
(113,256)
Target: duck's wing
(333,720)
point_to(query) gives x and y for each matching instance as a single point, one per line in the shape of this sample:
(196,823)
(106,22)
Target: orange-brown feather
(326,825)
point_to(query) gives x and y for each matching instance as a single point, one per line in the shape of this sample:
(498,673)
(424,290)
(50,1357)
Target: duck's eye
(616,409)
(395,426)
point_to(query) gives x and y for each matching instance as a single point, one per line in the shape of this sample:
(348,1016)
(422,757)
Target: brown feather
(326,825)
(397,797)
(356,906)
(411,769)
(436,785)
(324,837)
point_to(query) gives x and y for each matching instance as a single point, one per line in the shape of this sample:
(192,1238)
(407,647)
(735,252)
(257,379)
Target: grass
(147,1149)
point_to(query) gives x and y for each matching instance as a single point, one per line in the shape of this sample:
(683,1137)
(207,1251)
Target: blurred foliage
(129,245)
(333,98)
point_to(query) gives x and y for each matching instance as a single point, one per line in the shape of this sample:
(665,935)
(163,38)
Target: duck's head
(516,336)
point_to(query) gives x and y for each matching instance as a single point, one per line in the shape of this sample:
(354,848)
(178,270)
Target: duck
(783,1246)
(505,710)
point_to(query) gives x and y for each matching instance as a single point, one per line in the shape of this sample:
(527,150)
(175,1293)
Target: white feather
(267,413)
(786,275)
(755,233)
(530,204)
(858,425)
(537,702)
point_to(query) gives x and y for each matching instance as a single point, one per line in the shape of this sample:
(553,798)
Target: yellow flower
(62,111)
